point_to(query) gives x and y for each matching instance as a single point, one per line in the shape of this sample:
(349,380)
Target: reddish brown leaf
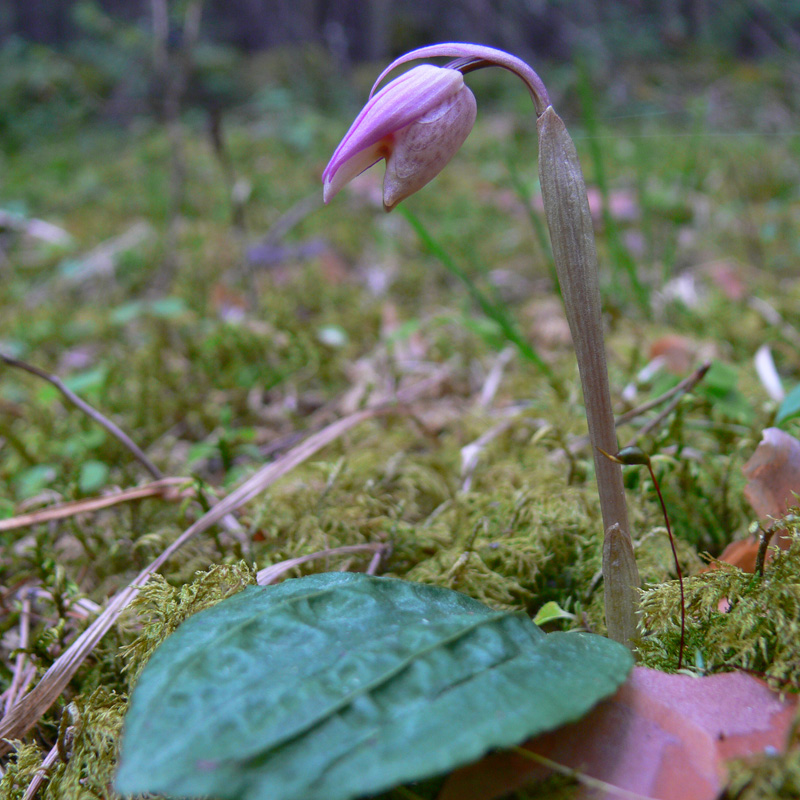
(661,736)
(741,553)
(681,354)
(773,474)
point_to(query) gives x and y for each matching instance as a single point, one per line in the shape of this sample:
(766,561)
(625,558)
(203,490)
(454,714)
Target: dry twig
(41,774)
(229,522)
(677,393)
(104,421)
(270,575)
(21,676)
(166,488)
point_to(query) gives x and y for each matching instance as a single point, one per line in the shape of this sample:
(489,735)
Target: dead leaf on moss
(773,474)
(661,736)
(741,553)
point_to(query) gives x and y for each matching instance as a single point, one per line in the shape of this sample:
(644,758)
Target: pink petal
(423,148)
(363,159)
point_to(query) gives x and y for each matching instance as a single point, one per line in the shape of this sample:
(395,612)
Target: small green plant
(417,123)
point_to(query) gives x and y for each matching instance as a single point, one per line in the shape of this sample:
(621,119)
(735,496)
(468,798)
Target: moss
(161,607)
(88,745)
(772,777)
(87,753)
(214,396)
(735,620)
(20,770)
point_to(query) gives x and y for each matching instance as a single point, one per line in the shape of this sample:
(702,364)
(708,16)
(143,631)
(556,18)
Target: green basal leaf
(341,685)
(790,407)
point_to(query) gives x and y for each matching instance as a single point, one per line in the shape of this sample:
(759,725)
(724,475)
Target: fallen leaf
(661,736)
(773,475)
(741,553)
(679,354)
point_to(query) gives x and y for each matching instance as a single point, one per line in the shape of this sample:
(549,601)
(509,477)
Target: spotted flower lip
(417,123)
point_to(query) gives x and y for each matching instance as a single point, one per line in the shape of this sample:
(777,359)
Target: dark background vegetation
(375,29)
(69,61)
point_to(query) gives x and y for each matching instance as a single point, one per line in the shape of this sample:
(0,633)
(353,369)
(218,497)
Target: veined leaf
(340,685)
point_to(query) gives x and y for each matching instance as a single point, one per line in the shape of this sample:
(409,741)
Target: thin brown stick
(27,712)
(581,777)
(113,429)
(270,574)
(689,382)
(229,522)
(761,555)
(685,386)
(41,774)
(18,681)
(166,488)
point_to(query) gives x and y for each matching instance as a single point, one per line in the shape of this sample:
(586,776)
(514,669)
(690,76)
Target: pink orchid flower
(417,123)
(419,120)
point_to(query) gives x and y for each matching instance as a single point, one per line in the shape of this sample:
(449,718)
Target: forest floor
(221,334)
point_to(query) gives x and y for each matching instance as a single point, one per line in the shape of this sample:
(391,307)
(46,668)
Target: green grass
(212,396)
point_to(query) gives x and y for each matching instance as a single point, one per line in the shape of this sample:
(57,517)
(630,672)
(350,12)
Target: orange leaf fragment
(773,474)
(661,736)
(741,553)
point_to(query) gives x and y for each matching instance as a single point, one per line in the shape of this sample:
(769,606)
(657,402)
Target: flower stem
(566,208)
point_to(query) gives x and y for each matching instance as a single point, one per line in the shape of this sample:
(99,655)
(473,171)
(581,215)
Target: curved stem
(473,53)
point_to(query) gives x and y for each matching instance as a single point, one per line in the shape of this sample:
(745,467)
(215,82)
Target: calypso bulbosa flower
(417,122)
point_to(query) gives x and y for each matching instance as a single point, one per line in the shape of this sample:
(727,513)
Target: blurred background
(376,29)
(65,61)
(160,208)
